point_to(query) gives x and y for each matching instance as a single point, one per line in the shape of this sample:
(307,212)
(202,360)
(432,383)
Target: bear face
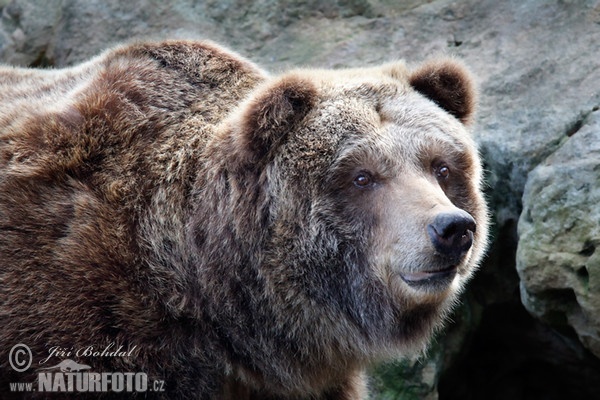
(363,188)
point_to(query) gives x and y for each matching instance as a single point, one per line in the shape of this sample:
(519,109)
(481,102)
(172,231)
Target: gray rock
(28,31)
(557,259)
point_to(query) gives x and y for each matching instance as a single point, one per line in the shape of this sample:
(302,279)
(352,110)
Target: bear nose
(452,234)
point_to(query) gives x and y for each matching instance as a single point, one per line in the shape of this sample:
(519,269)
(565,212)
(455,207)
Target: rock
(558,258)
(28,32)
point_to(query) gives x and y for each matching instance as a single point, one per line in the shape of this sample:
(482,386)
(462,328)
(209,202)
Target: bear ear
(273,112)
(449,84)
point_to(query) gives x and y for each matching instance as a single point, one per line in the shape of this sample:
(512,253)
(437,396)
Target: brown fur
(448,83)
(174,198)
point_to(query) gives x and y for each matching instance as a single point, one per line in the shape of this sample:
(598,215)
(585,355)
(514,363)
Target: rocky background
(529,326)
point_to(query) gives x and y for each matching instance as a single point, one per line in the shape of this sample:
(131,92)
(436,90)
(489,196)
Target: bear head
(355,213)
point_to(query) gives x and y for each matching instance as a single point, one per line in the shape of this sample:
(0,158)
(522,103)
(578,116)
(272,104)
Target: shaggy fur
(246,235)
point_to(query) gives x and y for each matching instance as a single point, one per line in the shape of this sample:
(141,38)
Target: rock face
(557,259)
(539,74)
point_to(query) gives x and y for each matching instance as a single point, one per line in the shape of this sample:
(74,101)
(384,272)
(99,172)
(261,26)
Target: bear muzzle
(451,234)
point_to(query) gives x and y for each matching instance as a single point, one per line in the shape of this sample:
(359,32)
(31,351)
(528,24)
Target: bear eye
(363,180)
(442,172)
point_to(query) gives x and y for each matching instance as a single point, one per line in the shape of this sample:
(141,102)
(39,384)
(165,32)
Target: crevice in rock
(589,248)
(455,43)
(583,275)
(560,296)
(574,127)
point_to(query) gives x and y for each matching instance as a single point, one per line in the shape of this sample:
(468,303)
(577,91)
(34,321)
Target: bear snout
(452,234)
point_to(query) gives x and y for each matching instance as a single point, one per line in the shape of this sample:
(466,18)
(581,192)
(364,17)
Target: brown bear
(169,211)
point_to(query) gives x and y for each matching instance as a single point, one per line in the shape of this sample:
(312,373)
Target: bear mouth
(437,279)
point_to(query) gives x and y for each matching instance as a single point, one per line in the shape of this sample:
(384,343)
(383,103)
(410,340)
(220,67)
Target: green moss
(401,380)
(407,379)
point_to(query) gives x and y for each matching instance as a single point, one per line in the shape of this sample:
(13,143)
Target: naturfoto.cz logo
(71,376)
